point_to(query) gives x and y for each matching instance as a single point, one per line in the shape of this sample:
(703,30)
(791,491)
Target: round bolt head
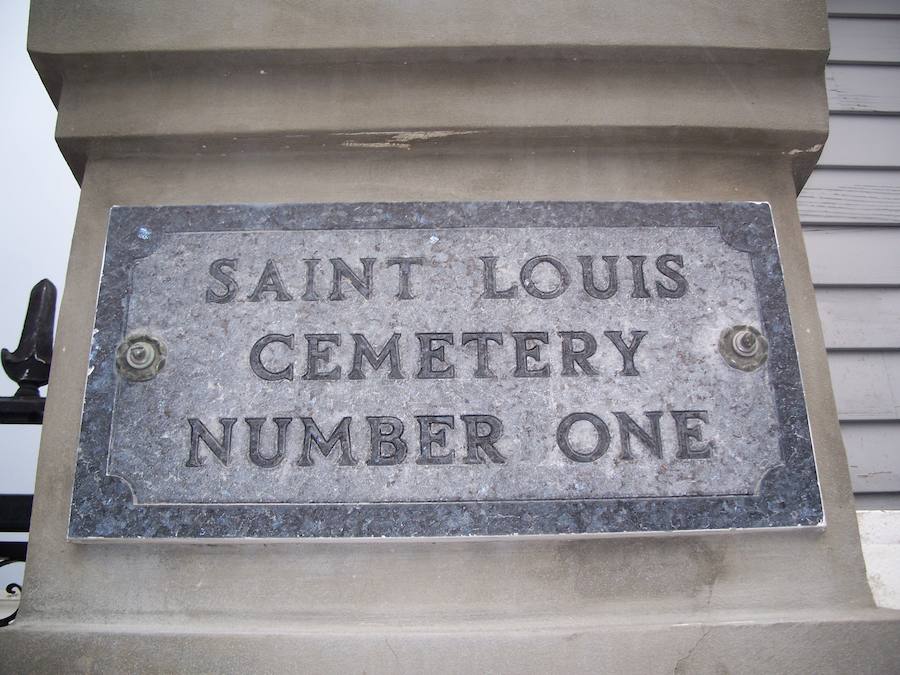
(140,357)
(743,348)
(745,343)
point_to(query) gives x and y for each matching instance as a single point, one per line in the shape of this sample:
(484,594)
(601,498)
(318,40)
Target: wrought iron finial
(29,365)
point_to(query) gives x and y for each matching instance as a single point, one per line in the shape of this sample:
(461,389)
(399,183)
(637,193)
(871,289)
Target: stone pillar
(167,103)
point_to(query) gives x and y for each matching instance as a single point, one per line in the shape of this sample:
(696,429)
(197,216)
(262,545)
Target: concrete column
(165,102)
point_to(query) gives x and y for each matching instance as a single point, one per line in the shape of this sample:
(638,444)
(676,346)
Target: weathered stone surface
(209,283)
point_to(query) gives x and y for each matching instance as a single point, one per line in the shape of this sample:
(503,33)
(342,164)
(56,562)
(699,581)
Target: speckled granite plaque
(442,369)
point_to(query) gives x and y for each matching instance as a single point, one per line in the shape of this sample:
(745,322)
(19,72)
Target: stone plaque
(442,369)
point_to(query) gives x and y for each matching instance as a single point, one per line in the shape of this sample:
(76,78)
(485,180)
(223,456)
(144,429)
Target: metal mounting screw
(140,358)
(745,343)
(743,347)
(140,355)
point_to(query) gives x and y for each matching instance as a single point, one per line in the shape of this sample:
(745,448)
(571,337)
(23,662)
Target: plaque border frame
(102,505)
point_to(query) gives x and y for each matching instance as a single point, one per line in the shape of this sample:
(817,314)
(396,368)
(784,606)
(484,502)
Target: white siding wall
(850,209)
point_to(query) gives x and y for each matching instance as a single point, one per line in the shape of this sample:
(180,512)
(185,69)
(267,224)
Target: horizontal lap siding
(875,462)
(850,209)
(863,8)
(867,385)
(851,197)
(872,90)
(865,40)
(854,256)
(862,141)
(856,318)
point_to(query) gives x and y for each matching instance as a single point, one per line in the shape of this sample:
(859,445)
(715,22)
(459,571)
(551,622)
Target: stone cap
(366,26)
(165,76)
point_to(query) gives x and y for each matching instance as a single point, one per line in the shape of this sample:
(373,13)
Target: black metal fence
(29,367)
